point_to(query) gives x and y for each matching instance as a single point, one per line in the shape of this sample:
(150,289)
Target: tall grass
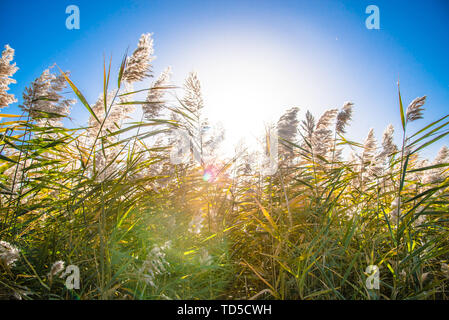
(107,199)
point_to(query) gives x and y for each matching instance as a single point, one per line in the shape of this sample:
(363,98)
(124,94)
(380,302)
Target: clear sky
(255,58)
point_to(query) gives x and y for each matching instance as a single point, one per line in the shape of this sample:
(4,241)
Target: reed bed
(108,198)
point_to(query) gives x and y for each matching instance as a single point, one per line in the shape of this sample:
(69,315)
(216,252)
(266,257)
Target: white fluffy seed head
(288,127)
(56,268)
(387,141)
(9,254)
(442,156)
(7,70)
(138,65)
(415,109)
(193,98)
(156,94)
(308,125)
(326,119)
(343,117)
(43,100)
(369,147)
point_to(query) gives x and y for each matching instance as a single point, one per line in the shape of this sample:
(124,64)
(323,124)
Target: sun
(245,86)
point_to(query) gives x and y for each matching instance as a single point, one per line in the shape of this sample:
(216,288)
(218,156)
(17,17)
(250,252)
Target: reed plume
(138,66)
(7,70)
(415,109)
(43,100)
(343,117)
(155,95)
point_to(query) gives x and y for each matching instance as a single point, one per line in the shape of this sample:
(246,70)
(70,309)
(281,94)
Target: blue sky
(310,54)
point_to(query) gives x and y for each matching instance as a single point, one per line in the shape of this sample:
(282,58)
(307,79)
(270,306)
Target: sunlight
(246,87)
(138,201)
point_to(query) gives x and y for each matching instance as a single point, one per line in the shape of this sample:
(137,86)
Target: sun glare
(244,88)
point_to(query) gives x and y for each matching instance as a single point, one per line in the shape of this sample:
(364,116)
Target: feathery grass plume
(436,175)
(192,120)
(379,162)
(442,156)
(415,109)
(7,70)
(120,112)
(196,224)
(56,268)
(193,98)
(322,136)
(193,103)
(155,95)
(287,128)
(123,106)
(205,258)
(308,124)
(106,156)
(9,254)
(369,147)
(111,119)
(419,177)
(377,166)
(43,100)
(326,119)
(139,66)
(343,117)
(370,165)
(155,264)
(387,141)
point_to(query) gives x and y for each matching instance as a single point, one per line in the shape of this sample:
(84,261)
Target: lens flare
(207,176)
